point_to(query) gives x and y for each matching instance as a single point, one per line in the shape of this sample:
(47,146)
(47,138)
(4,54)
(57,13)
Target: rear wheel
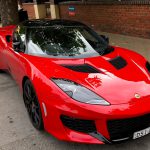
(1,71)
(1,67)
(32,105)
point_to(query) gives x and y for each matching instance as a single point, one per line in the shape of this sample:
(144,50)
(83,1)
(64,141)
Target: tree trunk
(20,4)
(9,12)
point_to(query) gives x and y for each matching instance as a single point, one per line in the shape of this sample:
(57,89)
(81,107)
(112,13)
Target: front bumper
(99,114)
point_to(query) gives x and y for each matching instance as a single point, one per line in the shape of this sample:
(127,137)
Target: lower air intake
(148,66)
(85,126)
(123,128)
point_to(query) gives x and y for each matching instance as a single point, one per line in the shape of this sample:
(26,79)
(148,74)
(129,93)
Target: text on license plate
(141,133)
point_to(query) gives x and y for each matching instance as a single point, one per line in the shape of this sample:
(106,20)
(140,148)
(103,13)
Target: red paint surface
(116,86)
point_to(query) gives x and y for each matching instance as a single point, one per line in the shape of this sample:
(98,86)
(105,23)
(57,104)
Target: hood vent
(85,68)
(118,62)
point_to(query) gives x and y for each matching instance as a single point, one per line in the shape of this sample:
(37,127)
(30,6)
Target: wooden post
(20,4)
(40,9)
(54,9)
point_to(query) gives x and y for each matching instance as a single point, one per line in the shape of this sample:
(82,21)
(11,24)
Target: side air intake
(85,68)
(85,126)
(148,66)
(118,62)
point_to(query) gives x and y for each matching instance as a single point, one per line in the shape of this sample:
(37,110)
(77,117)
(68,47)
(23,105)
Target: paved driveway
(17,133)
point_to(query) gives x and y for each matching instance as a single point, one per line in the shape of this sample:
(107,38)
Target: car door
(14,52)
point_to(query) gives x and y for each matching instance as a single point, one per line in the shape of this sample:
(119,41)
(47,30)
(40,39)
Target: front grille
(85,126)
(118,62)
(85,68)
(123,128)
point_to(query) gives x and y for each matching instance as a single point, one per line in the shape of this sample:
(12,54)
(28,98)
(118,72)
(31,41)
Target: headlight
(79,92)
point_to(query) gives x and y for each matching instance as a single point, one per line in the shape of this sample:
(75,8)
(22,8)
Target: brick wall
(29,7)
(133,19)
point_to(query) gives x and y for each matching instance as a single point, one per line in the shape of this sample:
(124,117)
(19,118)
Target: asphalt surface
(17,133)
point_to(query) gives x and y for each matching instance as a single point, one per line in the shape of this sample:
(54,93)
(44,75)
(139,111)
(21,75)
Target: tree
(9,12)
(20,3)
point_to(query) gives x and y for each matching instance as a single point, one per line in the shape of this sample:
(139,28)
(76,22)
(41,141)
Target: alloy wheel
(32,105)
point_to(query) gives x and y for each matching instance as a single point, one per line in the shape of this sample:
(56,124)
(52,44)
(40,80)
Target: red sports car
(75,85)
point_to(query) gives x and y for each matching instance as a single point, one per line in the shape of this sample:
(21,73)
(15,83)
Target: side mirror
(16,46)
(8,38)
(106,38)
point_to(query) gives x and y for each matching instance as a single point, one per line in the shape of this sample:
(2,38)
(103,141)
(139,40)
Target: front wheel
(32,105)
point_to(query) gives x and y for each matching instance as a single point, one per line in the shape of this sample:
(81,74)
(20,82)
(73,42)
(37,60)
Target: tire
(1,68)
(32,105)
(1,71)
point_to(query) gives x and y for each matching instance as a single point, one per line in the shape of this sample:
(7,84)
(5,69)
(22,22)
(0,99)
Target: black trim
(108,50)
(100,137)
(84,68)
(50,23)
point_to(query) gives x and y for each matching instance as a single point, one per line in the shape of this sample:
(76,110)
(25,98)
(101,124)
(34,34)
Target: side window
(19,39)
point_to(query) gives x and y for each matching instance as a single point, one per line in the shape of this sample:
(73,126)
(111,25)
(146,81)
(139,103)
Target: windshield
(64,42)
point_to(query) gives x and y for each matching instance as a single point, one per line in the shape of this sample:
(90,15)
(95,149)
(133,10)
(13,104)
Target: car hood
(119,77)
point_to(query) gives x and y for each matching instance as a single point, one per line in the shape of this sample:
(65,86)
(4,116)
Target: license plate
(141,133)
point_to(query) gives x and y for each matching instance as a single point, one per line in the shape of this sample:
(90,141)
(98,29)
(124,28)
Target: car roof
(46,23)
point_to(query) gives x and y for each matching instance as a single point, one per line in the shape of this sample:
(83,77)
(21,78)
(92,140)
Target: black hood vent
(85,68)
(118,62)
